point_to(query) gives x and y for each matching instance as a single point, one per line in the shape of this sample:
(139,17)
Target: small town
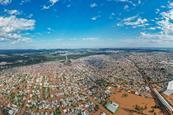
(84,86)
(86,57)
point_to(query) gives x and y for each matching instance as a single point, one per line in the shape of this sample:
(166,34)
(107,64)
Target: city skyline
(25,24)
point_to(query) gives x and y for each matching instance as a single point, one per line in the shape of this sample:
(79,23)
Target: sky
(47,24)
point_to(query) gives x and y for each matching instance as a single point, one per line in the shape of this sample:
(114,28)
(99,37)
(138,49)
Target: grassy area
(15,60)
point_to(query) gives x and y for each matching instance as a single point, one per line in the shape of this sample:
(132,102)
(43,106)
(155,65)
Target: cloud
(165,25)
(126,7)
(125,1)
(157,36)
(170,5)
(112,16)
(134,22)
(12,24)
(167,15)
(30,15)
(49,30)
(51,3)
(129,2)
(93,5)
(94,18)
(24,1)
(68,6)
(5,2)
(12,28)
(12,12)
(89,39)
(122,0)
(157,11)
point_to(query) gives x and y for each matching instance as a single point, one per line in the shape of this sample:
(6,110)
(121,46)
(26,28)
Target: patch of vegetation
(124,95)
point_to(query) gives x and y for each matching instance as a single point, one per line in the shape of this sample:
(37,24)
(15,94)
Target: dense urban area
(85,81)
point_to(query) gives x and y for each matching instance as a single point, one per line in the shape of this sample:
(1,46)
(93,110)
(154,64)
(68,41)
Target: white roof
(168,92)
(170,85)
(112,107)
(10,112)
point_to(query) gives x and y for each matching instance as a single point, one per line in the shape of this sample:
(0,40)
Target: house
(112,107)
(169,89)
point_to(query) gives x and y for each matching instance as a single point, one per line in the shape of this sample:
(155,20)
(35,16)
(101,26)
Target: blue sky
(85,23)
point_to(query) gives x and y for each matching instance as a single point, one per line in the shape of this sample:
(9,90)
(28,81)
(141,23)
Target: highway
(166,108)
(163,102)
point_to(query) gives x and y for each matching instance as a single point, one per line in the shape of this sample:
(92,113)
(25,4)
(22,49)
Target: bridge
(163,103)
(166,108)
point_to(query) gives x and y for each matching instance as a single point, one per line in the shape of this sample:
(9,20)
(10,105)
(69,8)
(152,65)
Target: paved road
(153,92)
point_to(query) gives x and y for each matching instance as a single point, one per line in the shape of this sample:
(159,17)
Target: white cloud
(112,16)
(51,3)
(5,2)
(157,37)
(68,6)
(89,39)
(129,2)
(168,15)
(12,12)
(157,11)
(46,7)
(163,6)
(24,1)
(49,30)
(170,5)
(154,28)
(94,18)
(11,28)
(165,25)
(93,5)
(126,7)
(134,22)
(139,1)
(122,0)
(30,15)
(12,24)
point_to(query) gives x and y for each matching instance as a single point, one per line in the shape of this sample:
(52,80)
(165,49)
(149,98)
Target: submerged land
(83,81)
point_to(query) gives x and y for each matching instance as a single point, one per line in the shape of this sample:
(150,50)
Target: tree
(97,107)
(57,111)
